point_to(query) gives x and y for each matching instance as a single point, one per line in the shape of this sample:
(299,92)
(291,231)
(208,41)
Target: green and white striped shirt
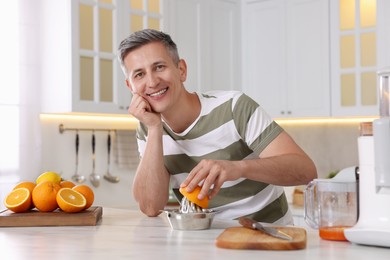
(231,126)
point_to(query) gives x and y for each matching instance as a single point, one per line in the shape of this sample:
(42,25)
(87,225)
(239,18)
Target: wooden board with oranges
(48,193)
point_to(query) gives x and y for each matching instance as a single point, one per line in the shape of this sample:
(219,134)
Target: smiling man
(221,140)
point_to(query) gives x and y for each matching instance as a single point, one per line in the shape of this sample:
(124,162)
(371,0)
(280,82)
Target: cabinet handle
(282,112)
(289,112)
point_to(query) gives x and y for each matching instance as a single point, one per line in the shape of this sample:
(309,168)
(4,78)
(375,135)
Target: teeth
(158,93)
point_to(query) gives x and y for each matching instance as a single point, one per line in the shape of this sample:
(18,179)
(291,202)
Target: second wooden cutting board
(245,238)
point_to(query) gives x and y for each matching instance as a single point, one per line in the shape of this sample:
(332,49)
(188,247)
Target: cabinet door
(185,28)
(207,35)
(98,85)
(222,59)
(355,56)
(264,54)
(307,41)
(286,54)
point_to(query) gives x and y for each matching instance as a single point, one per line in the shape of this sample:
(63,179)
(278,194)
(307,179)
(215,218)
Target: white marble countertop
(128,234)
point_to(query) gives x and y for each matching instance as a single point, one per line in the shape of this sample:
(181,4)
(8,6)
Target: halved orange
(18,200)
(193,197)
(28,185)
(70,200)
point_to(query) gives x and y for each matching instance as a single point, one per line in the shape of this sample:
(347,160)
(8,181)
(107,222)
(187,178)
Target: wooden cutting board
(245,238)
(35,218)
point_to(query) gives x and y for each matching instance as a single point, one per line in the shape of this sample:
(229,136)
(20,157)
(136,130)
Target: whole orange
(67,184)
(28,185)
(87,192)
(44,196)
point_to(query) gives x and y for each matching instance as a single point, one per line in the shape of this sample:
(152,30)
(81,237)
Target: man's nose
(152,80)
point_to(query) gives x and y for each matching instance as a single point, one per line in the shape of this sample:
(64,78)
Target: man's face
(153,75)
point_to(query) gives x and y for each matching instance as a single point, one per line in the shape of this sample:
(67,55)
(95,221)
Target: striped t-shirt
(231,126)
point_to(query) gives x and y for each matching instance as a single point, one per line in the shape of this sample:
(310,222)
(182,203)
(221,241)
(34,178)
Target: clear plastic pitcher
(331,206)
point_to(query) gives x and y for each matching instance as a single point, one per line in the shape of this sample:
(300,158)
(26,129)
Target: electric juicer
(373,226)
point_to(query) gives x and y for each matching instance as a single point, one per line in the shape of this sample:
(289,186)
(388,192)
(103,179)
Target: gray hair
(143,37)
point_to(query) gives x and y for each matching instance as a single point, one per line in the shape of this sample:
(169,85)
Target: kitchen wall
(332,146)
(58,154)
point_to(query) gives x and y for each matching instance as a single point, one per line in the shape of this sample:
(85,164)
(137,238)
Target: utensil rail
(62,129)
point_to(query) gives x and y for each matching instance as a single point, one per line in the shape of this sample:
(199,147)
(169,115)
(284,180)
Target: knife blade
(250,223)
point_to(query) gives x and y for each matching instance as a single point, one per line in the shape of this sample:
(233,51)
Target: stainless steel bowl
(190,221)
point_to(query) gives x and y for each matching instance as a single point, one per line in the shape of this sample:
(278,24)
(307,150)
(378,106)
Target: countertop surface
(128,234)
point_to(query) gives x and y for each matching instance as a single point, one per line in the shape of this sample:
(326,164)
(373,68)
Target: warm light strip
(341,120)
(89,117)
(127,118)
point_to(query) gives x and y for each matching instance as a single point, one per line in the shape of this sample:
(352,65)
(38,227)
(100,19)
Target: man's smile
(158,93)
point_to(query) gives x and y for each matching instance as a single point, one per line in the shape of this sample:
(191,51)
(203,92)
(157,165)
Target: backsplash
(59,154)
(332,146)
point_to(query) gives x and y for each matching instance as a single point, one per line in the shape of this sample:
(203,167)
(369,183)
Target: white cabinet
(79,45)
(81,72)
(207,34)
(360,41)
(286,56)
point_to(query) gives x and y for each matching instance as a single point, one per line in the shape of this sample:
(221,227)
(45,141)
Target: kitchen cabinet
(286,56)
(79,46)
(359,44)
(207,34)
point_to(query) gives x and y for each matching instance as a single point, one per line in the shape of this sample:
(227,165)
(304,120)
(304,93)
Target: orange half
(18,200)
(28,185)
(193,197)
(70,200)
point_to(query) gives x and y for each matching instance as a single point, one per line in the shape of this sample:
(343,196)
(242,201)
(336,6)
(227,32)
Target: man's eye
(138,75)
(160,67)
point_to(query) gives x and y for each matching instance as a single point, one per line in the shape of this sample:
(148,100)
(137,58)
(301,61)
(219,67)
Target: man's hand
(141,109)
(212,174)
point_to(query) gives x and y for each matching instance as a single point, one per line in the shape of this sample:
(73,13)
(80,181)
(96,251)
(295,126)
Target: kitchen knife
(250,223)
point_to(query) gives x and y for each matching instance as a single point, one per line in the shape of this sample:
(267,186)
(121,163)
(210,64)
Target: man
(221,140)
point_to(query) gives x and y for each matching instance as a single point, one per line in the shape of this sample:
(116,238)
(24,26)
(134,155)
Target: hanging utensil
(94,178)
(76,177)
(108,176)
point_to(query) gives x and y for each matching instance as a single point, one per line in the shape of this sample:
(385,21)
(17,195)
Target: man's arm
(151,182)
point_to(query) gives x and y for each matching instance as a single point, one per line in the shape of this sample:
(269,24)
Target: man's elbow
(150,211)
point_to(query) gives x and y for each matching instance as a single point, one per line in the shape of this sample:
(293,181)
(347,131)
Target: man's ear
(183,70)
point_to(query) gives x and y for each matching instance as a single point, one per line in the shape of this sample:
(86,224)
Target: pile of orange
(47,194)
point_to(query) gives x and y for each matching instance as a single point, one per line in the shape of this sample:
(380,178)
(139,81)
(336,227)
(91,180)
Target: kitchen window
(19,91)
(9,91)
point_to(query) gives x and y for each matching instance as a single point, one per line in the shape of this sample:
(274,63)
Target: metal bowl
(190,221)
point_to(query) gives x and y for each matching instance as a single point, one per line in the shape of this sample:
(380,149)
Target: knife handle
(93,143)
